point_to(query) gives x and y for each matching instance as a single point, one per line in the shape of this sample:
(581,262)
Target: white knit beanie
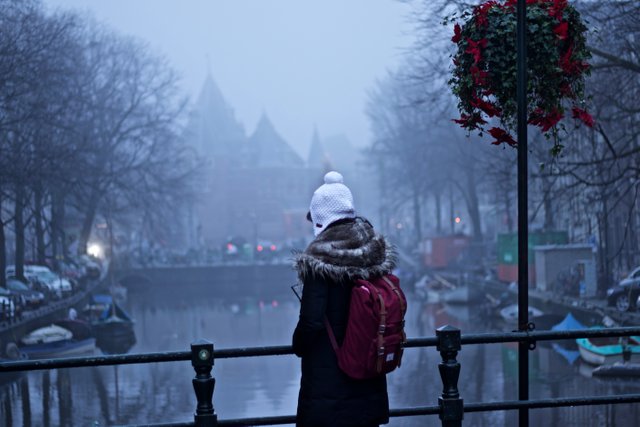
(330,202)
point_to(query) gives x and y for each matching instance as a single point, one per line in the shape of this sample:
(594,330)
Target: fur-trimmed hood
(347,250)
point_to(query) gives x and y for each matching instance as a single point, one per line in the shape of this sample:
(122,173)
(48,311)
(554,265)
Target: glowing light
(399,226)
(95,250)
(272,247)
(259,248)
(458,220)
(274,303)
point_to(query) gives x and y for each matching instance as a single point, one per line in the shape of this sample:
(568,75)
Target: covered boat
(54,341)
(510,312)
(112,326)
(46,335)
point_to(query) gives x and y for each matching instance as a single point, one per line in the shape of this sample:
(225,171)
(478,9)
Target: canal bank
(268,386)
(12,331)
(589,311)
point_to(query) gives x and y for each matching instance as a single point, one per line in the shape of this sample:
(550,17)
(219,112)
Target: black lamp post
(523,215)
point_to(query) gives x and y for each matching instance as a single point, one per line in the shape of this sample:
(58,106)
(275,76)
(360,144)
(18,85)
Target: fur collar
(347,250)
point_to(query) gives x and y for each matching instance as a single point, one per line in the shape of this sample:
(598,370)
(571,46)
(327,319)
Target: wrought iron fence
(448,341)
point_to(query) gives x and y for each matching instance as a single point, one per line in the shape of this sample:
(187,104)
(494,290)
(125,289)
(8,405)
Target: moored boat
(618,369)
(462,295)
(510,312)
(54,341)
(112,326)
(47,334)
(607,350)
(63,348)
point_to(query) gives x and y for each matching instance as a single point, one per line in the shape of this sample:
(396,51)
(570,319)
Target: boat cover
(568,323)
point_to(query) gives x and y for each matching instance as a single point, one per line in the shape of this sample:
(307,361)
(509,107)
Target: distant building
(257,189)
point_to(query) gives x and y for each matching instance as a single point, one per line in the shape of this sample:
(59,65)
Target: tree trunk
(549,223)
(19,231)
(87,224)
(55,227)
(472,205)
(452,223)
(39,227)
(417,217)
(438,197)
(3,251)
(507,208)
(605,245)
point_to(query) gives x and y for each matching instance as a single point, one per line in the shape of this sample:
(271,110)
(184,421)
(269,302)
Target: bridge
(224,280)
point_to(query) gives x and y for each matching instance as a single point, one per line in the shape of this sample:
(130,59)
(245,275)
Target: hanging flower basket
(484,74)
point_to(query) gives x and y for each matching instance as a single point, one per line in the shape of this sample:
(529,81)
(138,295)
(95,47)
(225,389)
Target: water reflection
(264,386)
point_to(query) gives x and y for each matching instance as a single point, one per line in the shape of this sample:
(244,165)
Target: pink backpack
(375,335)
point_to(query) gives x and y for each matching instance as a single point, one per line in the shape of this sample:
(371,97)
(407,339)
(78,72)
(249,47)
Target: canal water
(170,319)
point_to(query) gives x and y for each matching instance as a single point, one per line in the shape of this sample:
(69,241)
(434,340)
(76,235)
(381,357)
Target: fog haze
(304,63)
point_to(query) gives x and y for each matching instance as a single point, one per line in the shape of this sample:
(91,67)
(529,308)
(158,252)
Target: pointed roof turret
(317,155)
(213,128)
(268,149)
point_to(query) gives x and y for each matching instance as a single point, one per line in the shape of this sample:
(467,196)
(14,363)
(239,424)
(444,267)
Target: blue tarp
(569,322)
(569,355)
(102,299)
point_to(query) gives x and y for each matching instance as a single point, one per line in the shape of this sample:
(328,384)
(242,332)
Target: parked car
(624,295)
(55,284)
(30,297)
(91,268)
(7,304)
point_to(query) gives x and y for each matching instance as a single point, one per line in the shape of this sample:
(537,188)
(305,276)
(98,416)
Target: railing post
(203,383)
(451,405)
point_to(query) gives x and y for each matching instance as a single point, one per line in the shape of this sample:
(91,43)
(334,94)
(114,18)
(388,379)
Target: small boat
(112,326)
(510,312)
(566,348)
(54,341)
(607,350)
(462,295)
(46,335)
(63,348)
(618,369)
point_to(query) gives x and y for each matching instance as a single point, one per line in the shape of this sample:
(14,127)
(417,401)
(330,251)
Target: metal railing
(448,341)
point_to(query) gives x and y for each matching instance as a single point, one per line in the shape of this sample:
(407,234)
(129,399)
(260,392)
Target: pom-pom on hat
(330,202)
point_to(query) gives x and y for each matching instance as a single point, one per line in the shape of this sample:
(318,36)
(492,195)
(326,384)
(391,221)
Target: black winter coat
(328,397)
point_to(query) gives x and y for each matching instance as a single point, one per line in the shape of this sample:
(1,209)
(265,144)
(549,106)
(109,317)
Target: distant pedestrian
(345,248)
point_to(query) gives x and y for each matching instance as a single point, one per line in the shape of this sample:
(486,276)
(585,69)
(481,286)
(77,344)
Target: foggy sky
(305,63)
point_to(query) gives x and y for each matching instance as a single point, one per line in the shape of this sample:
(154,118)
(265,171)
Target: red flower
(502,136)
(557,8)
(474,49)
(481,11)
(561,30)
(565,90)
(457,34)
(579,113)
(490,109)
(470,121)
(513,3)
(545,120)
(479,76)
(572,67)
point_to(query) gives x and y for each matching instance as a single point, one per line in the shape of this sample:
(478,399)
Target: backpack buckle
(382,328)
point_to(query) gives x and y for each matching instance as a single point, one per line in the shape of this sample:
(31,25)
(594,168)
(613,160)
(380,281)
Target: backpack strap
(332,337)
(381,329)
(403,307)
(394,288)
